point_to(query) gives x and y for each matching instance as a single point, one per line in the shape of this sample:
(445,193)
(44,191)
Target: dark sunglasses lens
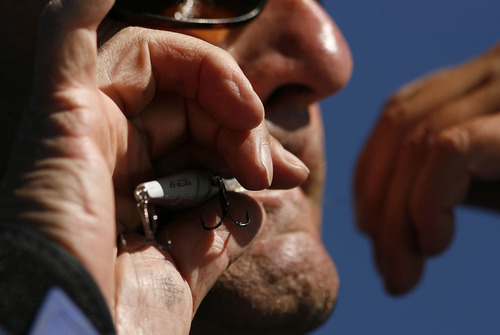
(190,9)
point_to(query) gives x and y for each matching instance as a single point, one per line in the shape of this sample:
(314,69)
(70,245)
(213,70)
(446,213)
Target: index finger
(139,63)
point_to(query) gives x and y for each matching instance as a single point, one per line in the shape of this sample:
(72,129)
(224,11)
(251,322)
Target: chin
(286,283)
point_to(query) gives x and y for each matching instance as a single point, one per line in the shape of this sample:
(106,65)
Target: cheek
(293,276)
(287,286)
(286,283)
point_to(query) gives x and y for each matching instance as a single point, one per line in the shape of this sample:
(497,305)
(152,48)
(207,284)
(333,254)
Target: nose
(293,46)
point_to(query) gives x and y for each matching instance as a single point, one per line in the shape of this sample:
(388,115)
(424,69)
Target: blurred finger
(485,99)
(396,248)
(437,88)
(468,150)
(410,247)
(403,112)
(374,169)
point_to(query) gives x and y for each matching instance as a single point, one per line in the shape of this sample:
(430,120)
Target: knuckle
(423,135)
(420,136)
(396,115)
(453,140)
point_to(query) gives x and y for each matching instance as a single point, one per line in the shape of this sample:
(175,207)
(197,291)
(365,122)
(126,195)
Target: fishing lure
(184,190)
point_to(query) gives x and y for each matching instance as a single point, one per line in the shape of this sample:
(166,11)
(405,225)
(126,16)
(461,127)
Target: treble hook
(224,203)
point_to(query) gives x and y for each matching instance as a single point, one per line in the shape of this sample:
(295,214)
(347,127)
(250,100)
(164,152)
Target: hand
(437,137)
(99,124)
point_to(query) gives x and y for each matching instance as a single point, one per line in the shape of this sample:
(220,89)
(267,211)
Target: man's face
(293,55)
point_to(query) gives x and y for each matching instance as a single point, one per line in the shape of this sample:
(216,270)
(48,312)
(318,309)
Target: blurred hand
(437,137)
(98,124)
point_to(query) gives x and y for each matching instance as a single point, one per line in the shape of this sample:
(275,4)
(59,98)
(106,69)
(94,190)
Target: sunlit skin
(435,147)
(281,279)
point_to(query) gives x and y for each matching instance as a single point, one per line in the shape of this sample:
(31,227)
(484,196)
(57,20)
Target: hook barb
(224,203)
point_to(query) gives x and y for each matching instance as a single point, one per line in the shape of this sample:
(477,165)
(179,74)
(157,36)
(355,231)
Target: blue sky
(393,42)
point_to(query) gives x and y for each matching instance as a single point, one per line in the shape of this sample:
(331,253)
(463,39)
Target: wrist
(47,205)
(31,265)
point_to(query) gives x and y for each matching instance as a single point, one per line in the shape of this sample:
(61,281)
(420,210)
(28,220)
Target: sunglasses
(187,13)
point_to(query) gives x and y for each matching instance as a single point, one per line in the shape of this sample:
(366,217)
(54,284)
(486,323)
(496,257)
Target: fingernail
(295,162)
(267,161)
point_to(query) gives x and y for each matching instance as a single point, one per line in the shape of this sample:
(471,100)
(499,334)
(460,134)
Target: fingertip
(279,169)
(399,261)
(396,280)
(401,278)
(289,170)
(435,233)
(249,156)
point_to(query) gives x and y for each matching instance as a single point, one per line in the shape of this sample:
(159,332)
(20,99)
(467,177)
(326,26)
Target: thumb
(67,38)
(53,186)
